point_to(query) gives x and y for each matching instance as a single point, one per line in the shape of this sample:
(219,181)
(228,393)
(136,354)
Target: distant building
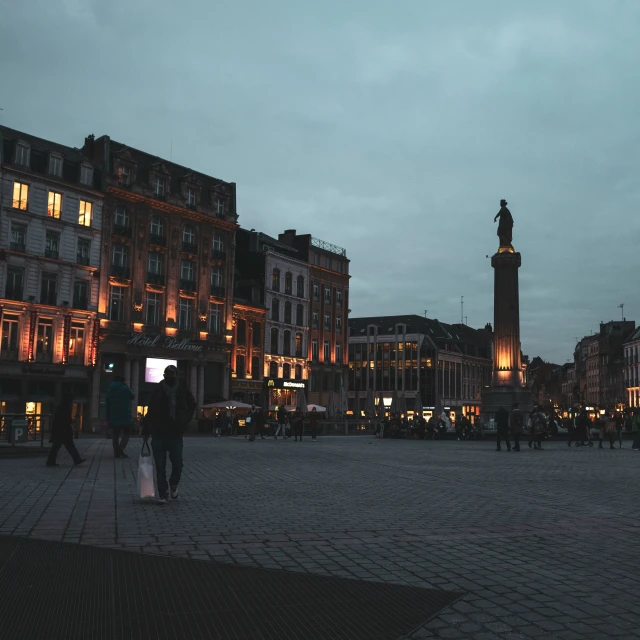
(50,241)
(632,369)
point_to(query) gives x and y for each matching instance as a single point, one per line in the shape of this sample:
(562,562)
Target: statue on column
(505,226)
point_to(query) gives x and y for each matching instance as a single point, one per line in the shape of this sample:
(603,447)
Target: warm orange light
(137,327)
(203,335)
(171,331)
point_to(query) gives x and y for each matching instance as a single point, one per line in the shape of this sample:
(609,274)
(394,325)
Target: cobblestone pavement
(544,543)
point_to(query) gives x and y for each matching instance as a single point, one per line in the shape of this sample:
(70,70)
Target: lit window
(298,345)
(44,339)
(158,186)
(116,303)
(84,217)
(191,196)
(76,341)
(86,174)
(152,315)
(9,336)
(55,165)
(22,154)
(20,195)
(184,317)
(55,204)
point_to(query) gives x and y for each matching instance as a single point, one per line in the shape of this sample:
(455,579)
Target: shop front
(284,392)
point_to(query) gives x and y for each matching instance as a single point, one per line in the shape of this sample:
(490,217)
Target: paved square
(545,544)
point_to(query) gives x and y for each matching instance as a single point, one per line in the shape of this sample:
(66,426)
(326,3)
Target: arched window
(287,343)
(275,280)
(300,315)
(275,310)
(288,284)
(298,345)
(300,291)
(286,371)
(273,370)
(287,312)
(274,341)
(298,372)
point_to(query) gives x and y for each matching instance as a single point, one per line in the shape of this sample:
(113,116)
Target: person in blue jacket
(119,419)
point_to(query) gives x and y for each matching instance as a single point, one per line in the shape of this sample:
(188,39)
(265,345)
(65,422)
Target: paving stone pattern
(544,544)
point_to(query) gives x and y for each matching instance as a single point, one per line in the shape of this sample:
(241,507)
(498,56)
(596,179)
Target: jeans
(161,445)
(120,444)
(70,447)
(284,430)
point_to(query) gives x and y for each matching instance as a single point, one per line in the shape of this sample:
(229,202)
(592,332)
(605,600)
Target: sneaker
(162,501)
(174,493)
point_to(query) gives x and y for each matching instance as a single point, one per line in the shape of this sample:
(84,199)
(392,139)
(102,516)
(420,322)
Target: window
(241,332)
(338,324)
(152,311)
(316,259)
(116,304)
(257,334)
(44,339)
(124,175)
(84,217)
(339,266)
(48,293)
(51,244)
(275,280)
(288,284)
(286,371)
(274,341)
(315,320)
(298,370)
(275,310)
(314,350)
(316,292)
(186,270)
(55,204)
(327,295)
(313,381)
(255,368)
(156,227)
(84,251)
(191,197)
(189,236)
(120,255)
(9,335)
(76,342)
(155,263)
(18,237)
(327,352)
(15,283)
(327,322)
(55,165)
(22,154)
(20,195)
(121,217)
(300,315)
(215,319)
(219,207)
(338,353)
(86,174)
(273,369)
(328,262)
(287,312)
(339,297)
(216,277)
(287,343)
(218,243)
(240,367)
(298,345)
(80,294)
(158,186)
(184,314)
(300,287)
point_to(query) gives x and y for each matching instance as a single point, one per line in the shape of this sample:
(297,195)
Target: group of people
(609,426)
(514,424)
(294,422)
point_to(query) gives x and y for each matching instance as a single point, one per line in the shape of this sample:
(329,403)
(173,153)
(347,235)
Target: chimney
(89,145)
(288,237)
(488,327)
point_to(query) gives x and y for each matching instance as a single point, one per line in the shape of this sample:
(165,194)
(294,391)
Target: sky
(392,129)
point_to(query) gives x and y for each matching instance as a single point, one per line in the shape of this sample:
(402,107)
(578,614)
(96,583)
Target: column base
(496,397)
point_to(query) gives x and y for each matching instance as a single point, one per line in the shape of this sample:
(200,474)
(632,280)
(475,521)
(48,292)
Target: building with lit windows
(632,369)
(445,367)
(166,281)
(50,238)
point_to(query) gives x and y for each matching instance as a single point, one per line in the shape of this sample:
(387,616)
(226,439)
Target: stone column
(200,396)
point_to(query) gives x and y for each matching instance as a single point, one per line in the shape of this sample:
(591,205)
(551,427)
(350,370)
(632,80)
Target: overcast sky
(392,129)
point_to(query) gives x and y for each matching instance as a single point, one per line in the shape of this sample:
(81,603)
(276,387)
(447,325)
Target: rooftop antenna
(465,320)
(621,307)
(461,309)
(425,312)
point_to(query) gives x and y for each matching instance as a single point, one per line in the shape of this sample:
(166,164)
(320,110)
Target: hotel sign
(163,342)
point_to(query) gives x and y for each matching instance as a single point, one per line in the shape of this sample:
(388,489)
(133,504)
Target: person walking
(170,409)
(298,424)
(252,421)
(516,425)
(313,423)
(281,414)
(502,425)
(62,433)
(620,423)
(538,428)
(118,407)
(635,426)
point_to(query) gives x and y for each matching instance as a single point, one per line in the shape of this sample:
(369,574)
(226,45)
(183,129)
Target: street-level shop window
(116,303)
(20,195)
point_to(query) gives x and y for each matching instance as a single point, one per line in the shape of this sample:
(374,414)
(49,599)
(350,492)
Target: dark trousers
(69,446)
(120,438)
(251,430)
(516,441)
(505,437)
(297,430)
(161,445)
(313,431)
(636,440)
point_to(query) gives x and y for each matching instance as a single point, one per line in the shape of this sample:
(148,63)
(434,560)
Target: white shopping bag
(145,473)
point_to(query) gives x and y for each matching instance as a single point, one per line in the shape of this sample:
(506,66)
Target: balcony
(18,246)
(187,285)
(218,255)
(215,290)
(84,260)
(50,298)
(121,231)
(189,247)
(51,253)
(14,293)
(80,303)
(44,356)
(9,354)
(119,271)
(157,240)
(155,278)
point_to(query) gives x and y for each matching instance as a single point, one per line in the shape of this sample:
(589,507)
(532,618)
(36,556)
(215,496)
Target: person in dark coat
(313,423)
(298,424)
(119,419)
(170,409)
(252,422)
(516,425)
(62,433)
(502,425)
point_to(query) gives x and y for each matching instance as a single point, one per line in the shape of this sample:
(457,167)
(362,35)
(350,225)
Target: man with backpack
(516,424)
(170,409)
